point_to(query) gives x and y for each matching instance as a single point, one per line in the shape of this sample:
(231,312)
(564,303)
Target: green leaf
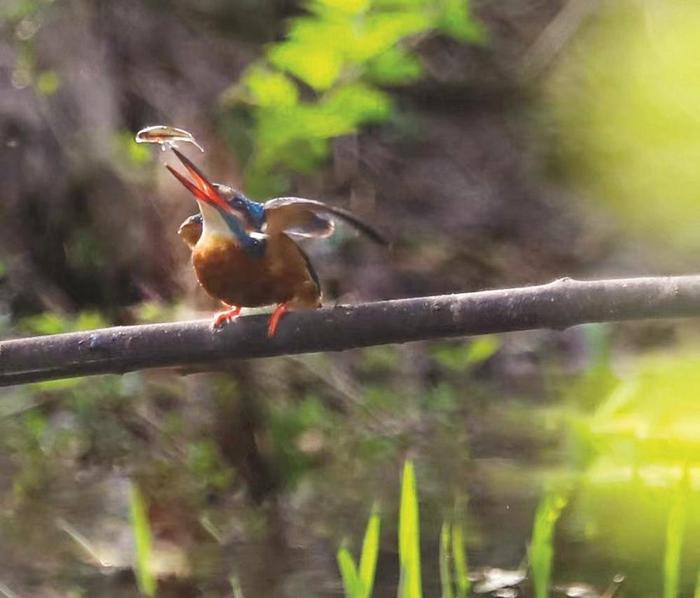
(455,20)
(348,571)
(459,357)
(398,4)
(541,549)
(353,105)
(347,7)
(445,568)
(142,539)
(409,536)
(675,530)
(460,562)
(270,88)
(481,349)
(314,50)
(236,589)
(370,551)
(381,32)
(394,67)
(316,65)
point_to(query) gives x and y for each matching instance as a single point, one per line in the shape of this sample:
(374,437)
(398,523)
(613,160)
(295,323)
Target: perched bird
(242,251)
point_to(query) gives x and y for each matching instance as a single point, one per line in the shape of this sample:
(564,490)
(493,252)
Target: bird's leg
(275,319)
(225,316)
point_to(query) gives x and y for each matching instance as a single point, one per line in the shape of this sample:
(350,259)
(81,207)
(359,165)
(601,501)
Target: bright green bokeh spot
(48,82)
(628,104)
(124,144)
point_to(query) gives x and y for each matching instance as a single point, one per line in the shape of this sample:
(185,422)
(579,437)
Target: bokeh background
(497,144)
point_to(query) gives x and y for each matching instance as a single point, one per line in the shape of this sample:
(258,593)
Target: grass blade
(236,589)
(409,536)
(541,550)
(445,568)
(675,530)
(142,540)
(460,559)
(370,551)
(352,584)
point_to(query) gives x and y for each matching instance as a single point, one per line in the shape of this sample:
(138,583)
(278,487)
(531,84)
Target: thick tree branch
(556,305)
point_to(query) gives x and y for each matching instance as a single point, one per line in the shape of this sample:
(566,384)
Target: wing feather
(309,218)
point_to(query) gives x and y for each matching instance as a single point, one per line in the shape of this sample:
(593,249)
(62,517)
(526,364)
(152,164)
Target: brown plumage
(281,275)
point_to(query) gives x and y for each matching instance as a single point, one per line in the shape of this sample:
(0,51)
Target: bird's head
(254,210)
(218,216)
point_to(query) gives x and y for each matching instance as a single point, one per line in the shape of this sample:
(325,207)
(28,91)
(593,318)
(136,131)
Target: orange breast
(229,274)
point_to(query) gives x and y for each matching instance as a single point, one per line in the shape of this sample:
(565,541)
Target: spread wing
(310,218)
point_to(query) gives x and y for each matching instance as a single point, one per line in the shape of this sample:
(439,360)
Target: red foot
(226,316)
(275,319)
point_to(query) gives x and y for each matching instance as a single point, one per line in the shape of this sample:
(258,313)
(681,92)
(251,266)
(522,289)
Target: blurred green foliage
(51,322)
(25,18)
(297,433)
(126,149)
(626,100)
(459,357)
(651,416)
(324,80)
(636,440)
(207,466)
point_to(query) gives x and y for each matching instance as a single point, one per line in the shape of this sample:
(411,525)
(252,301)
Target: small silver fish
(166,136)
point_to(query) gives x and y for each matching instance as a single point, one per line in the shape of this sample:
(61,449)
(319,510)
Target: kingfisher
(243,252)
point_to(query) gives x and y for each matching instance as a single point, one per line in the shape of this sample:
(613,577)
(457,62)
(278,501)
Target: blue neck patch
(256,210)
(251,245)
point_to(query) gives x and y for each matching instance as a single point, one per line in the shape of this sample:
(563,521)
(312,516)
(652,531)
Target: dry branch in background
(557,305)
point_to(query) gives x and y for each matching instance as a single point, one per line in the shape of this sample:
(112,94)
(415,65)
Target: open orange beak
(201,187)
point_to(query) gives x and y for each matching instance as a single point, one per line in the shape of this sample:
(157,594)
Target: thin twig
(556,36)
(556,305)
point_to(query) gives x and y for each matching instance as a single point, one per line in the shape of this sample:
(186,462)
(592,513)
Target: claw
(275,318)
(224,317)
